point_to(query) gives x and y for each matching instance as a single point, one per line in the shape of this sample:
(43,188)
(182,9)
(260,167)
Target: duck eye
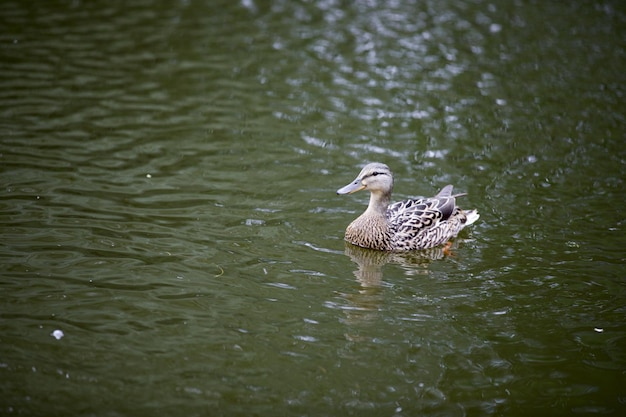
(375,173)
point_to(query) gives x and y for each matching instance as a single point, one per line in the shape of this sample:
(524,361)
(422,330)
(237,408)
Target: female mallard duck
(407,225)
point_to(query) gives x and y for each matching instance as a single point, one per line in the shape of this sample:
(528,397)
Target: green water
(168,174)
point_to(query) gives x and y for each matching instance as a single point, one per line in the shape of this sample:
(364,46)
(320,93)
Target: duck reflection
(366,303)
(371,262)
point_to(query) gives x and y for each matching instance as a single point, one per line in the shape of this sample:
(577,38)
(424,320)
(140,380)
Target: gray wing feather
(412,215)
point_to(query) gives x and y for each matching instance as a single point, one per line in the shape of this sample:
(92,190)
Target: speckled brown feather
(370,232)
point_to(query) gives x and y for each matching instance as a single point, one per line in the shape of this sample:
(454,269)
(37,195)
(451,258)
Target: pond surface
(171,241)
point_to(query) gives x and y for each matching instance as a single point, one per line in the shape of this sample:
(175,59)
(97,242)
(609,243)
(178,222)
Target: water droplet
(495,28)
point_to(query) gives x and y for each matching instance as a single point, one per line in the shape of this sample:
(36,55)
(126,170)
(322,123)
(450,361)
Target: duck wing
(411,216)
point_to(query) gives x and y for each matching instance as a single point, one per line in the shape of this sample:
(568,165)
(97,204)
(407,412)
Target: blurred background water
(171,241)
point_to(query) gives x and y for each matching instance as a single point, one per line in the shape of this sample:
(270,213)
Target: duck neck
(378,203)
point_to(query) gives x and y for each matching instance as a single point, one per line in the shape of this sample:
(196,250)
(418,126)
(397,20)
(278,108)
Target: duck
(413,224)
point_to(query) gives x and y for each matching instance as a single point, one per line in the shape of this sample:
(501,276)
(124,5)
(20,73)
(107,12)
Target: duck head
(375,177)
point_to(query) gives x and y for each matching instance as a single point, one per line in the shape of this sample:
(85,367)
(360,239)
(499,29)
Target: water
(168,174)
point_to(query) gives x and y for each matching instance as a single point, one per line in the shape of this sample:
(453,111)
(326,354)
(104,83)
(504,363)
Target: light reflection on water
(168,178)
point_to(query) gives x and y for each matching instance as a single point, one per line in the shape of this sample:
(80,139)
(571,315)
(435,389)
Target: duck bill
(353,187)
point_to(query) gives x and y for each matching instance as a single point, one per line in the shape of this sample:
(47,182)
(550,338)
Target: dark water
(167,202)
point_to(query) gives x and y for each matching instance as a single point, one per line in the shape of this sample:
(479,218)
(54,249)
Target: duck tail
(472,216)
